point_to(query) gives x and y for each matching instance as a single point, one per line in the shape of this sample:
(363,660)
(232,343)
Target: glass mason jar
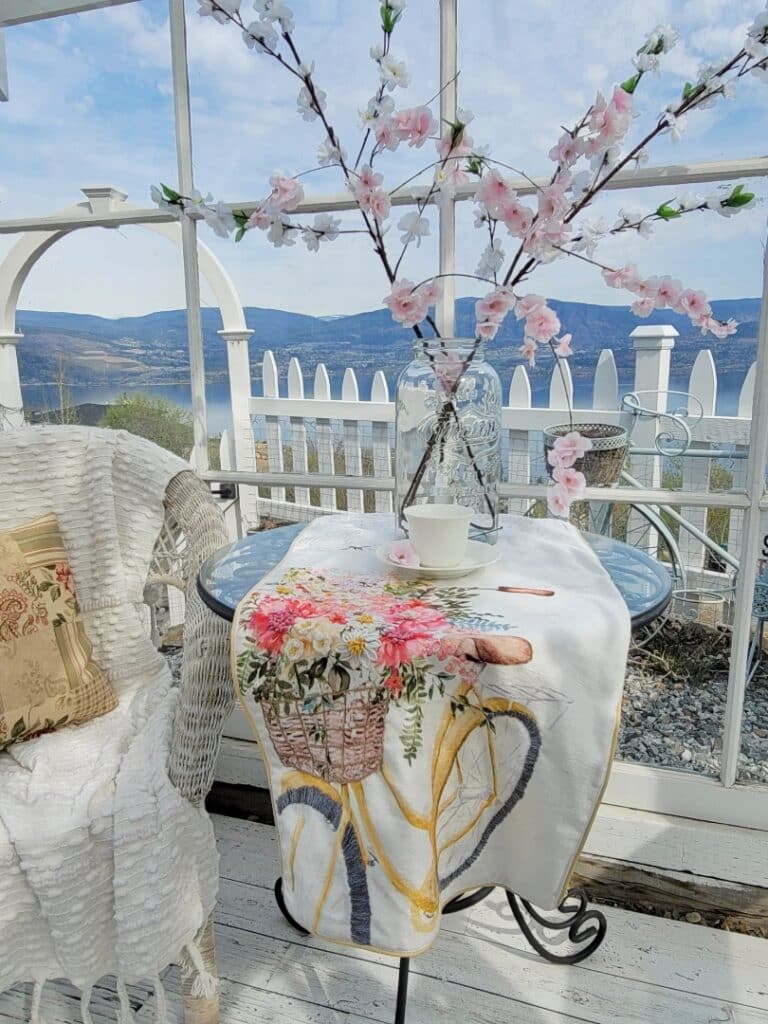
(448,431)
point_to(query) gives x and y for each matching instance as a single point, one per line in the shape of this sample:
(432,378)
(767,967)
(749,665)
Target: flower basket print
(325,673)
(519,237)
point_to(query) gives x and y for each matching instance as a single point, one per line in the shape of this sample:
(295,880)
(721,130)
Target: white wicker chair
(192,530)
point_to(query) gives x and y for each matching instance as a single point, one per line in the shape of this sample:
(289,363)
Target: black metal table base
(585,929)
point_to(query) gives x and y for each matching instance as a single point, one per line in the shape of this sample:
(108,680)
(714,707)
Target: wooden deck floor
(649,971)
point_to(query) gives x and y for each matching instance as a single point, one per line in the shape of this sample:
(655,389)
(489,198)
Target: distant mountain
(131,351)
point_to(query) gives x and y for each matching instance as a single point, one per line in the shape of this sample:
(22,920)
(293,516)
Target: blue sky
(91,104)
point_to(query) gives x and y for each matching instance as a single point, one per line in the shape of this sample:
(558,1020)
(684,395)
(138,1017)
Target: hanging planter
(603,463)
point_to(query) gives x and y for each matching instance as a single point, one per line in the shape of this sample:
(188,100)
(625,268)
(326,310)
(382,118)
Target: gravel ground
(674,703)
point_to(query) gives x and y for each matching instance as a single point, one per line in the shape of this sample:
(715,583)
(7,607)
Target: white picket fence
(348,437)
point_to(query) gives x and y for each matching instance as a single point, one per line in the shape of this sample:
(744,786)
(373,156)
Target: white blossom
(328,154)
(376,52)
(590,232)
(219,218)
(376,108)
(675,125)
(757,35)
(282,231)
(260,35)
(307,106)
(393,72)
(414,228)
(219,12)
(173,208)
(662,39)
(464,116)
(276,10)
(689,201)
(325,228)
(581,183)
(647,62)
(491,259)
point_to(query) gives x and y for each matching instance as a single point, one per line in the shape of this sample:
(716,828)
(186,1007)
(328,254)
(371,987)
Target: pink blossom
(261,219)
(527,304)
(643,307)
(568,449)
(462,147)
(402,552)
(287,193)
(552,202)
(517,218)
(563,348)
(448,369)
(623,277)
(487,330)
(430,292)
(622,101)
(407,305)
(693,304)
(558,501)
(567,151)
(386,133)
(668,292)
(378,204)
(415,125)
(494,192)
(368,180)
(528,351)
(710,324)
(571,479)
(646,288)
(542,323)
(495,305)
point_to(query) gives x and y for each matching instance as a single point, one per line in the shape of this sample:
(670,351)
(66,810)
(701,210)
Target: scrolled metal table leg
(586,928)
(284,910)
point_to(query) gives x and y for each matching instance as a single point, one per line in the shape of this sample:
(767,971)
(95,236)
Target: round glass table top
(228,574)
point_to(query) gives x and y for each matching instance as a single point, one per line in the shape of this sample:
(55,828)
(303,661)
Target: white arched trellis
(32,245)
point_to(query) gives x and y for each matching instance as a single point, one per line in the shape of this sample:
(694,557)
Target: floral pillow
(48,678)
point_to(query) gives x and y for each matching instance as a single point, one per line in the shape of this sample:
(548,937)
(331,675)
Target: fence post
(11,407)
(519,458)
(239,370)
(702,386)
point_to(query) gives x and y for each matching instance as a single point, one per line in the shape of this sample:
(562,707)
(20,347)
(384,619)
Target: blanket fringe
(204,984)
(161,1004)
(35,1017)
(126,1013)
(85,1005)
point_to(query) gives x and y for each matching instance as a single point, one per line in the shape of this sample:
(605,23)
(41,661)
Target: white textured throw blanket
(424,737)
(104,867)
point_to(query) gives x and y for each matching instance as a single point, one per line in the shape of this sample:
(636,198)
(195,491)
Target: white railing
(312,450)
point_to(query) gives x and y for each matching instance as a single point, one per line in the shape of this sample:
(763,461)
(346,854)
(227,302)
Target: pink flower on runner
(401,642)
(643,307)
(493,192)
(402,552)
(407,304)
(693,304)
(571,479)
(420,615)
(274,617)
(563,347)
(394,683)
(668,292)
(568,449)
(542,324)
(287,193)
(528,351)
(415,125)
(558,501)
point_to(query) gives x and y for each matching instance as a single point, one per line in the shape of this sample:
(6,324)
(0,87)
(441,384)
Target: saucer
(478,556)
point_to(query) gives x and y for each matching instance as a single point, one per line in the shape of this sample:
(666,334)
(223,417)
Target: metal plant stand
(586,929)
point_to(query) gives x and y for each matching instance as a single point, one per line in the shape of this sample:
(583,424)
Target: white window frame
(632,785)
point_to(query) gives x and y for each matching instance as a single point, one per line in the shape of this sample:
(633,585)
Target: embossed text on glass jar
(448,431)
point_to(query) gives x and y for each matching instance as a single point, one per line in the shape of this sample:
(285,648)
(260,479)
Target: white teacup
(439,533)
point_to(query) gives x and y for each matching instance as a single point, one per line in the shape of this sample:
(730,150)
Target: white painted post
(739,469)
(271,385)
(324,430)
(446,306)
(232,515)
(239,370)
(11,405)
(353,458)
(561,389)
(382,451)
(702,386)
(298,430)
(519,459)
(605,392)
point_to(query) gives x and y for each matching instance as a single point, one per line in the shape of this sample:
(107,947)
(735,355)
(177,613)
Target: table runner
(426,737)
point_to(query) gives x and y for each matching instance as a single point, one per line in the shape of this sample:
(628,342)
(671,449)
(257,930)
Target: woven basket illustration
(603,463)
(342,743)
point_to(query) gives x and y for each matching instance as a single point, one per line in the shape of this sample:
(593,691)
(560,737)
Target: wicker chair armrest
(207,695)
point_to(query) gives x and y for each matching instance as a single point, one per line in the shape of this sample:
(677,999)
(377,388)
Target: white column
(446,307)
(11,406)
(239,369)
(653,346)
